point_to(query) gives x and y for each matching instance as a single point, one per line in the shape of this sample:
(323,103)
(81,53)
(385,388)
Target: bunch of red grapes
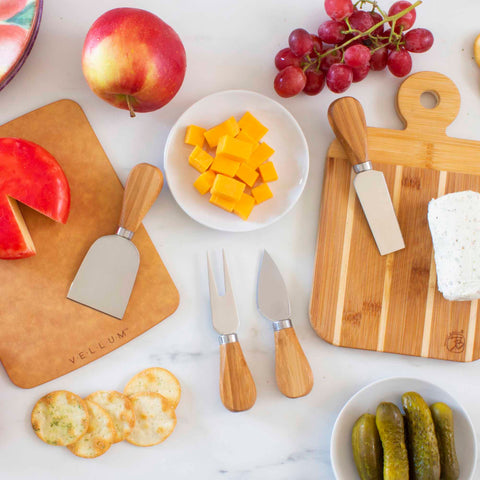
(348,46)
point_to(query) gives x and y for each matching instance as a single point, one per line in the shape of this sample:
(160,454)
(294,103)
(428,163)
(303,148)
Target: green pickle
(422,440)
(443,420)
(367,448)
(390,426)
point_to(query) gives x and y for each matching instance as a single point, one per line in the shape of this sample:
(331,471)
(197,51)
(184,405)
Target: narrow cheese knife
(106,276)
(292,370)
(347,120)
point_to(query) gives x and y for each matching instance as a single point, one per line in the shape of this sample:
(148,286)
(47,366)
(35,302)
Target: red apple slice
(29,174)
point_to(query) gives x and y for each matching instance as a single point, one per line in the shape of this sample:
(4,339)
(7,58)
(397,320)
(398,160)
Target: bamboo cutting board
(43,334)
(391,303)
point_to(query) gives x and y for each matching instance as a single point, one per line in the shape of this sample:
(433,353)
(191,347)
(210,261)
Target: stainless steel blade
(224,312)
(377,205)
(272,295)
(106,276)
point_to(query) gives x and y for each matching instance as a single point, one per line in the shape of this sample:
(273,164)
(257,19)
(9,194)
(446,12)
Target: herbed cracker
(155,419)
(155,380)
(60,418)
(99,436)
(120,409)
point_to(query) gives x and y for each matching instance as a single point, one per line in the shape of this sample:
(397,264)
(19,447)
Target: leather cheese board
(391,303)
(45,335)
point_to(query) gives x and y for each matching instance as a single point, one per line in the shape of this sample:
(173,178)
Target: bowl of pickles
(403,428)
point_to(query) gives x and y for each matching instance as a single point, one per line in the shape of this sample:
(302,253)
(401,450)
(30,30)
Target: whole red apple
(133,60)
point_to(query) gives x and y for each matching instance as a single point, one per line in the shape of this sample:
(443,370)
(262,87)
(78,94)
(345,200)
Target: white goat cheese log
(454,221)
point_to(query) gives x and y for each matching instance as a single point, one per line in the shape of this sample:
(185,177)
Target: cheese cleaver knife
(107,274)
(347,120)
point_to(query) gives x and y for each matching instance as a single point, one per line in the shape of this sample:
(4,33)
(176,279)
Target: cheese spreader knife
(292,370)
(347,120)
(107,274)
(237,388)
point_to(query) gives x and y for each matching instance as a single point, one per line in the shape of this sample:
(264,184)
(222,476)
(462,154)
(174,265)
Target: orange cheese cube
(245,137)
(262,193)
(194,136)
(228,127)
(204,182)
(249,124)
(243,208)
(268,172)
(225,165)
(246,174)
(222,202)
(260,155)
(235,149)
(200,159)
(227,187)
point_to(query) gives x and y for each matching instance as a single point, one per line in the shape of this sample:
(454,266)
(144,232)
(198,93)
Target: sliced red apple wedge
(32,176)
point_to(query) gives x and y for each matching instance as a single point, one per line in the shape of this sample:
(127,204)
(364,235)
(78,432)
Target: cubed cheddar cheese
(262,193)
(222,202)
(245,137)
(249,124)
(194,136)
(235,149)
(261,154)
(268,172)
(243,208)
(225,165)
(247,174)
(204,182)
(228,127)
(227,187)
(200,159)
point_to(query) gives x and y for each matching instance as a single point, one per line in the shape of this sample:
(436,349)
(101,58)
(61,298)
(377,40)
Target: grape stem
(366,33)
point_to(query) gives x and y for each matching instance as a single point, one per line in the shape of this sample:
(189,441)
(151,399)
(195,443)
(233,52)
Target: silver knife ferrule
(363,167)
(229,338)
(123,232)
(281,324)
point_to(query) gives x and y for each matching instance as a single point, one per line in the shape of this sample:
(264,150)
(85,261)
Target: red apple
(29,174)
(8,8)
(133,60)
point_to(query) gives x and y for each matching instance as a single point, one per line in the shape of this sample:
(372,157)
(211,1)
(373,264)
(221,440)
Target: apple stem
(132,112)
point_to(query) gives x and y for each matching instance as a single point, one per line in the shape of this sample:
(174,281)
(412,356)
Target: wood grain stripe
(347,239)
(472,326)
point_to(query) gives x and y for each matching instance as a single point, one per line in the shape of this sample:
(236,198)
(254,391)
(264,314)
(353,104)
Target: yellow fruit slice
(476,50)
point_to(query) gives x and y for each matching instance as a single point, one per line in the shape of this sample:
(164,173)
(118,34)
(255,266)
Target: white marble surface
(229,45)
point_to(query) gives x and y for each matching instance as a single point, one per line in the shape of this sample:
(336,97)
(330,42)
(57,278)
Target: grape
(418,40)
(338,9)
(315,82)
(357,56)
(407,20)
(378,59)
(376,19)
(386,37)
(339,78)
(317,44)
(360,73)
(289,81)
(361,20)
(331,32)
(329,60)
(399,62)
(285,58)
(300,42)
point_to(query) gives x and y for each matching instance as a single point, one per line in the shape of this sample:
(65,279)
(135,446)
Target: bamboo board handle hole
(428,102)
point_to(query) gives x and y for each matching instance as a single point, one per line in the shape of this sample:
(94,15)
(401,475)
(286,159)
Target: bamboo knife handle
(293,372)
(237,388)
(347,120)
(143,186)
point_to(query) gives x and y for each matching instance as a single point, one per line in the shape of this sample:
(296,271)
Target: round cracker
(60,418)
(120,409)
(155,380)
(155,419)
(99,436)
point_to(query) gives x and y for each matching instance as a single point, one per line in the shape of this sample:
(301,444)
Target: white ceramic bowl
(284,136)
(391,390)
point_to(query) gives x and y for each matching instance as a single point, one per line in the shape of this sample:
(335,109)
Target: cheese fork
(237,388)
